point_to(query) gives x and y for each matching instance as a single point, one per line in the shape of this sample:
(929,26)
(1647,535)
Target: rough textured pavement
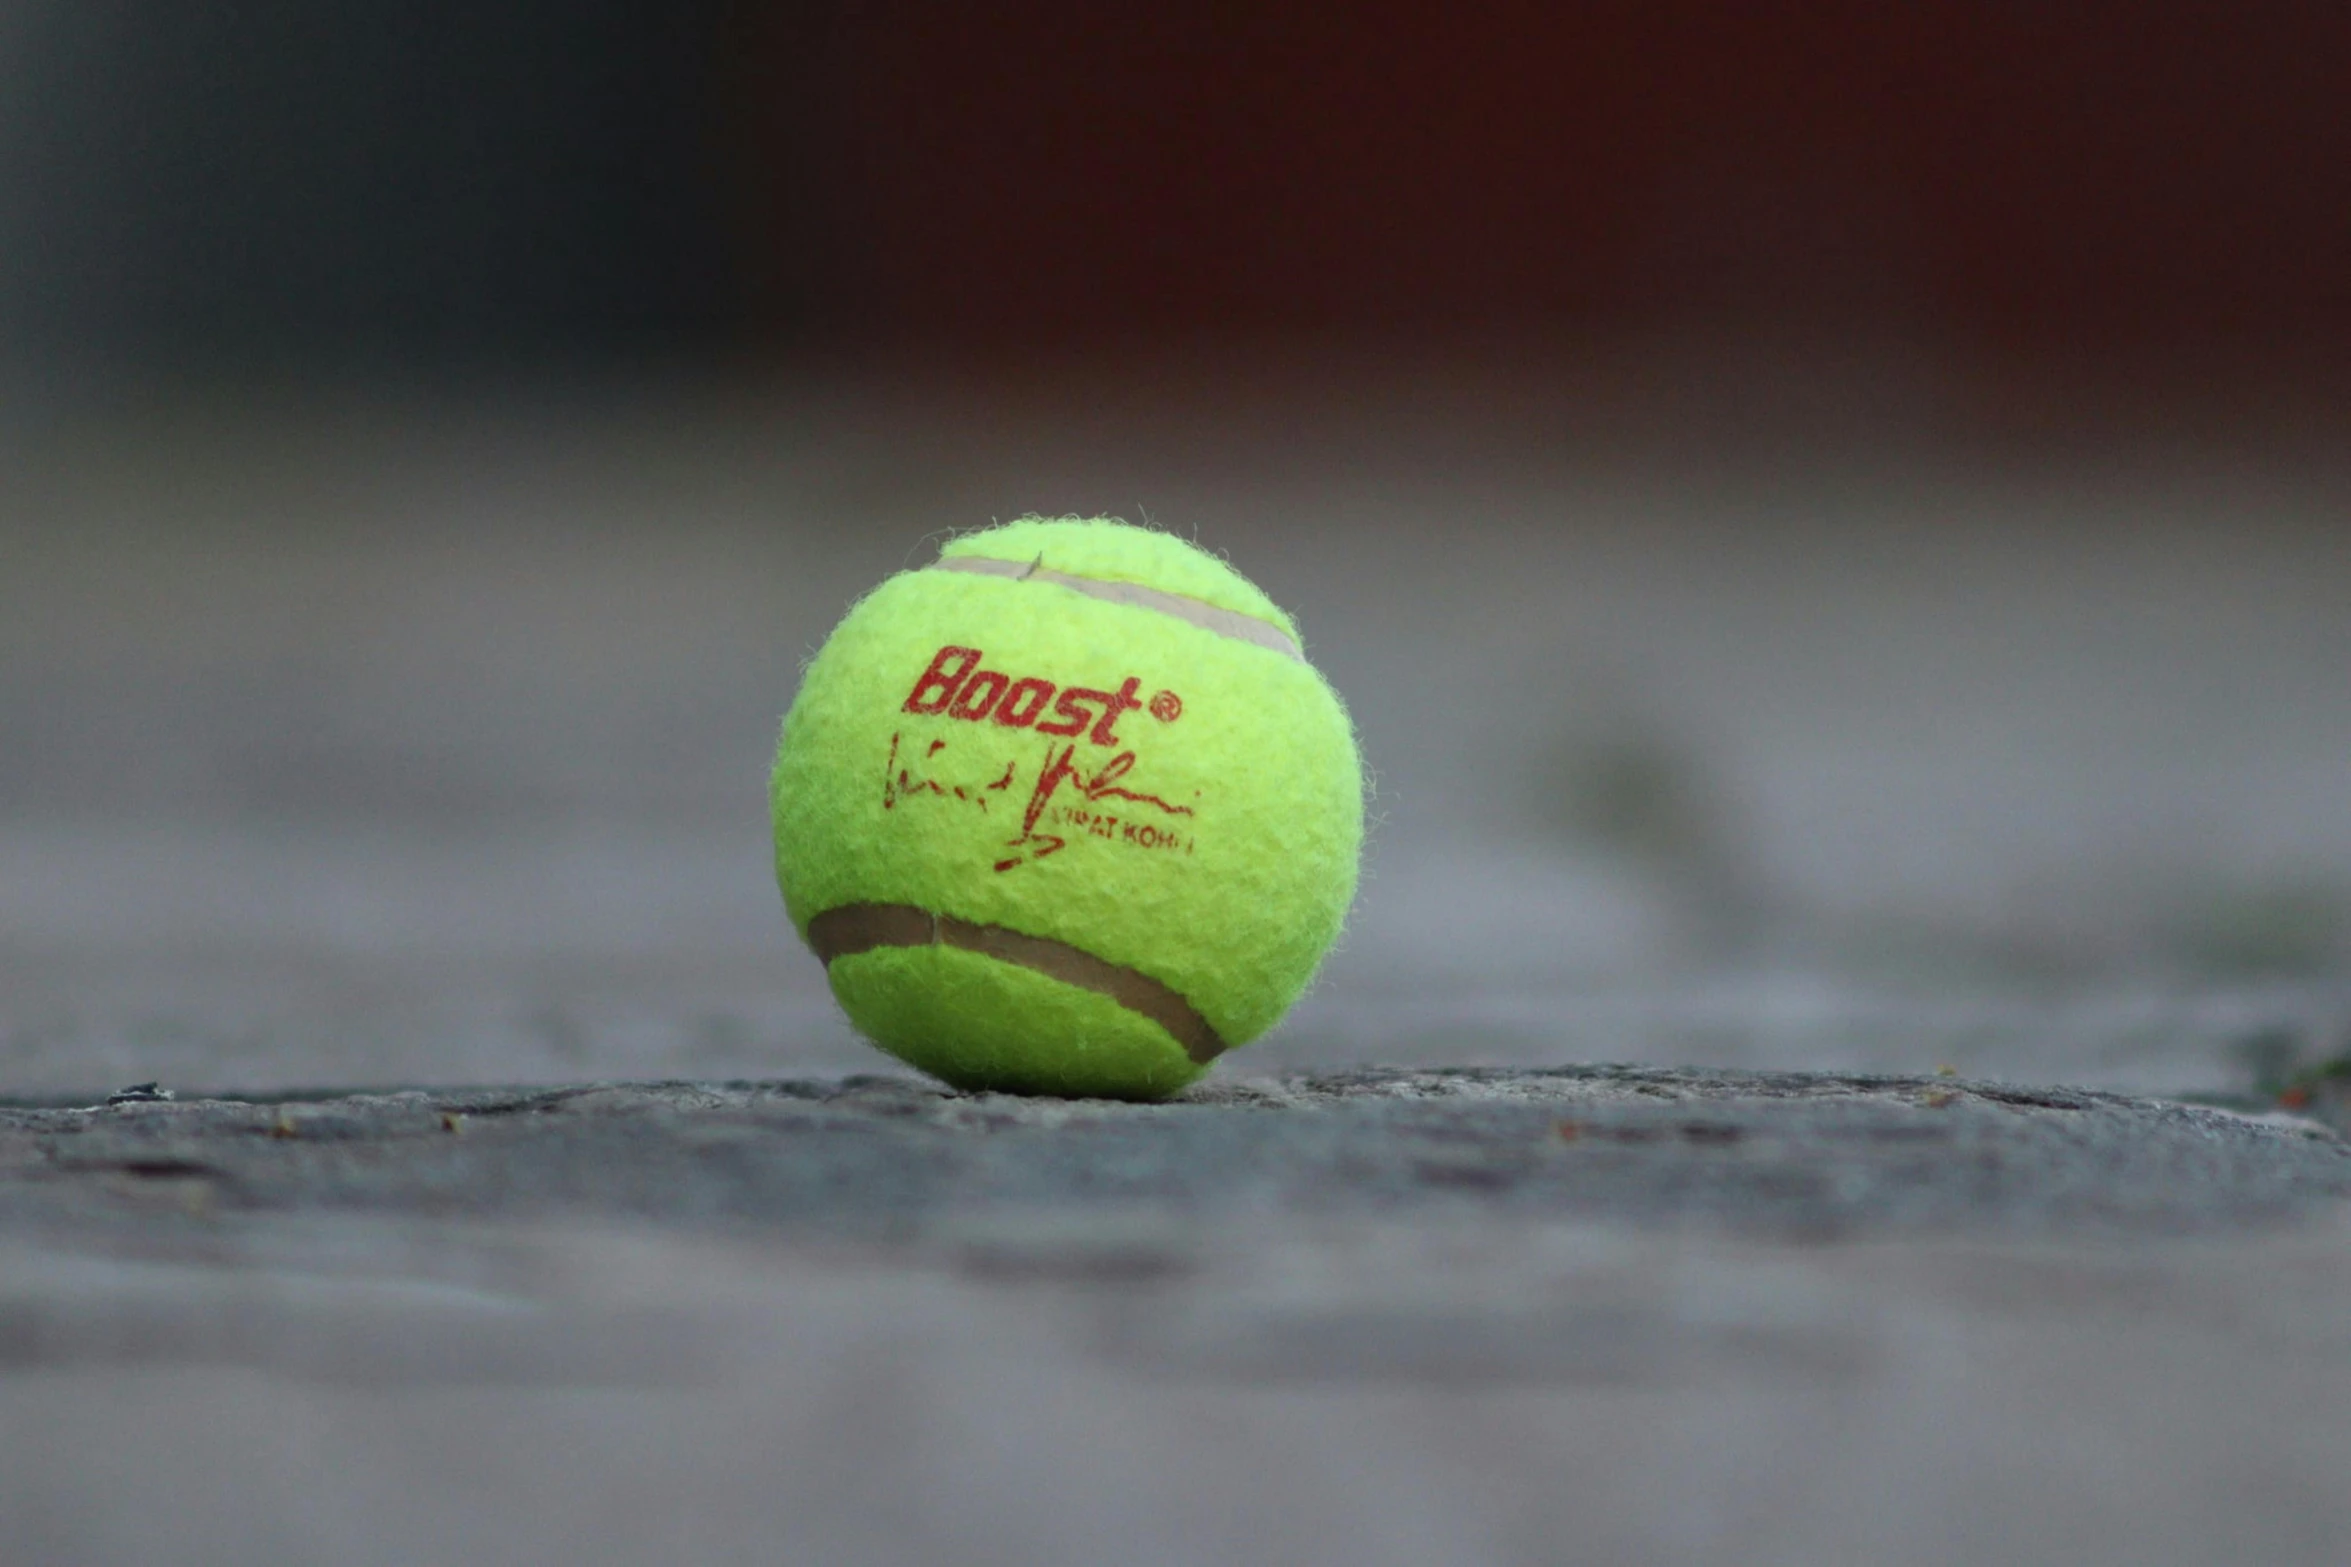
(1784,1153)
(380,743)
(1588,1314)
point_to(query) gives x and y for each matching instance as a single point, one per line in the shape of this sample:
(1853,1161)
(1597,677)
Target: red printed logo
(1067,799)
(955,685)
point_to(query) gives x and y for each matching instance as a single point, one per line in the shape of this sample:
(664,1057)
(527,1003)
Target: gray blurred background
(1835,535)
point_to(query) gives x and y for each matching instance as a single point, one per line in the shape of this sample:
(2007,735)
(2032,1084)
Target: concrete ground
(1606,1315)
(363,762)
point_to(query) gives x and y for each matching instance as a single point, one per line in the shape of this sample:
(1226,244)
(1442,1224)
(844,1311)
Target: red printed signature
(1059,776)
(1103,784)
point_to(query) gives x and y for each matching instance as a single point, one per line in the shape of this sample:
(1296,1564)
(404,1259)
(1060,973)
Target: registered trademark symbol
(1166,706)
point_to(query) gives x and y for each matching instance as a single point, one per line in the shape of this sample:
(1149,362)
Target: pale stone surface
(1786,1153)
(352,746)
(1599,1315)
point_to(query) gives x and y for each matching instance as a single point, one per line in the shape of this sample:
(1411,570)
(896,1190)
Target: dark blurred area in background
(293,186)
(285,186)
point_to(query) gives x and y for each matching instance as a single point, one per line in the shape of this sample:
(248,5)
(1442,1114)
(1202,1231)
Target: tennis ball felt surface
(1067,811)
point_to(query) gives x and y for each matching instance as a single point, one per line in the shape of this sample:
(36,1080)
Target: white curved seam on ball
(849,929)
(1208,617)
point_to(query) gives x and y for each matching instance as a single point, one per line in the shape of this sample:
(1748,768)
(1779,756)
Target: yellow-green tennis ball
(1067,811)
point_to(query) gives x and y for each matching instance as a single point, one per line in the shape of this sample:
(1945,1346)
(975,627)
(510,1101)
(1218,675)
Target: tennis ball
(1066,811)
